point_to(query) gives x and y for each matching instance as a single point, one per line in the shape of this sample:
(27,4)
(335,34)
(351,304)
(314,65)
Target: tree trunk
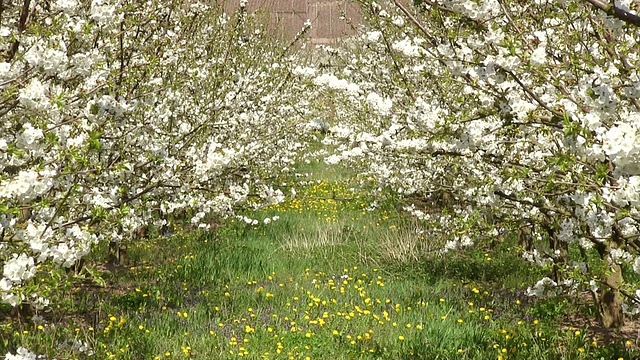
(561,258)
(609,301)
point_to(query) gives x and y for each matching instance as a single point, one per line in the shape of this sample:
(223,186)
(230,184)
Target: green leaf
(50,138)
(602,171)
(124,209)
(94,140)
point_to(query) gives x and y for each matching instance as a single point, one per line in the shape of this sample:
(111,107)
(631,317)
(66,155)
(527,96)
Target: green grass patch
(330,279)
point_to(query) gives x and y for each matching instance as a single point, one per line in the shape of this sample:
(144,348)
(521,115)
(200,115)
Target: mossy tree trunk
(609,301)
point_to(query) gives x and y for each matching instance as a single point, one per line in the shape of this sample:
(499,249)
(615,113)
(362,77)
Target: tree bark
(609,301)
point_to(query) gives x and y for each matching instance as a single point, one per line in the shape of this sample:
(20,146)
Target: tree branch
(611,9)
(22,25)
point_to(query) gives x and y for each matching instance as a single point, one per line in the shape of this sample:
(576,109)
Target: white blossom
(408,48)
(34,95)
(67,6)
(102,11)
(374,36)
(539,56)
(19,268)
(544,287)
(21,354)
(379,104)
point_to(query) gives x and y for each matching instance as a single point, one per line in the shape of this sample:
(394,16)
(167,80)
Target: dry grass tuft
(404,245)
(316,238)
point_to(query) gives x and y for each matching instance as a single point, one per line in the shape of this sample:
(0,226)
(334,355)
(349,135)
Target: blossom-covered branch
(610,8)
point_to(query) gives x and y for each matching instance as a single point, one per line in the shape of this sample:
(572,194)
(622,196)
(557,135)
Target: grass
(331,279)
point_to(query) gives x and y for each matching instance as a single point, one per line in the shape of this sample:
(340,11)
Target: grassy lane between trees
(329,278)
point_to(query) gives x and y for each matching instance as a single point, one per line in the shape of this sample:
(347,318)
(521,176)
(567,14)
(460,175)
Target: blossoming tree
(116,114)
(505,118)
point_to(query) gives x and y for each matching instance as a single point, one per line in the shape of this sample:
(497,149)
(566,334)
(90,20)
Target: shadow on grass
(505,270)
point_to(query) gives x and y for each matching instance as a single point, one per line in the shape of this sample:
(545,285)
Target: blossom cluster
(21,354)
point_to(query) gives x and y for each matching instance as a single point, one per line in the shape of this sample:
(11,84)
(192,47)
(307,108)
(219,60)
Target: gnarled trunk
(609,301)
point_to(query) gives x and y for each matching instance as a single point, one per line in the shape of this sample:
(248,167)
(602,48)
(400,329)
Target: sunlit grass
(331,279)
